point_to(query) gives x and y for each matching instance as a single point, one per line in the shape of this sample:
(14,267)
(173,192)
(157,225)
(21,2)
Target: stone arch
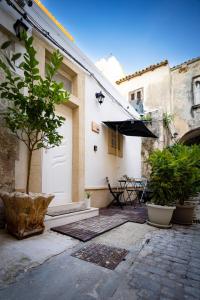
(191,137)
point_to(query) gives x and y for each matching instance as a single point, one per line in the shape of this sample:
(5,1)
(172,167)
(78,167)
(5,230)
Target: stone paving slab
(166,265)
(16,257)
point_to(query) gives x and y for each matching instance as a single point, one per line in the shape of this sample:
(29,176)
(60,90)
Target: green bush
(175,174)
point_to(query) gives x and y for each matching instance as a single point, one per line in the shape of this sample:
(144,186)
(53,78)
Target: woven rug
(108,219)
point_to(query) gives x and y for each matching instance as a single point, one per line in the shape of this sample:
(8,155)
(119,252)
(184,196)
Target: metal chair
(116,193)
(137,189)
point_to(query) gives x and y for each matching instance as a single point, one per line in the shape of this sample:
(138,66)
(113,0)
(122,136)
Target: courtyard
(99,154)
(159,264)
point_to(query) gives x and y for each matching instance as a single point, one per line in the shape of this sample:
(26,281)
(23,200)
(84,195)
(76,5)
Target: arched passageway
(191,137)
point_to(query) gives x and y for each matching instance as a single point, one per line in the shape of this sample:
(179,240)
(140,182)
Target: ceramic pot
(160,216)
(88,203)
(184,214)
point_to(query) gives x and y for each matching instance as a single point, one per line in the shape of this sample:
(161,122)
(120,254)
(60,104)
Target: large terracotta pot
(160,216)
(184,214)
(25,212)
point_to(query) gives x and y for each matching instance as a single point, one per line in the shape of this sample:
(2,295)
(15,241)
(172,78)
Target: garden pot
(184,214)
(25,212)
(88,203)
(160,216)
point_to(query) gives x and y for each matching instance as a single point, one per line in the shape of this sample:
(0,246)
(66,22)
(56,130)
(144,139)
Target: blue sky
(138,33)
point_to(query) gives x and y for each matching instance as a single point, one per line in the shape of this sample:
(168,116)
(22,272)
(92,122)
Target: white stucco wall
(100,164)
(156,85)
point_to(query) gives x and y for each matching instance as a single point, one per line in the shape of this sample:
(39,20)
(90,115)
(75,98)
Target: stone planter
(160,216)
(25,212)
(184,214)
(87,203)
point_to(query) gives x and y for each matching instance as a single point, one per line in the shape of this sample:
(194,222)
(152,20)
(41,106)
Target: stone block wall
(8,155)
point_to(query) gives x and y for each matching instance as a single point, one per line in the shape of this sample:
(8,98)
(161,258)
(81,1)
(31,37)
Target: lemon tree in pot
(161,208)
(186,181)
(31,117)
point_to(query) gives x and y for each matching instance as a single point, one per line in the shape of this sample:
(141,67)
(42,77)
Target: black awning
(130,128)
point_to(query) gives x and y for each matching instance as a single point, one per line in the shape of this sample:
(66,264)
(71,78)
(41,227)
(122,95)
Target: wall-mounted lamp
(19,27)
(100,97)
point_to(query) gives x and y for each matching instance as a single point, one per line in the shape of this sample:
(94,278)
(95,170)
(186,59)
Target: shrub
(175,174)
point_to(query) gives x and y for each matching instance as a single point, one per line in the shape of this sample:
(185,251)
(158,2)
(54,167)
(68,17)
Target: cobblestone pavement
(164,266)
(168,266)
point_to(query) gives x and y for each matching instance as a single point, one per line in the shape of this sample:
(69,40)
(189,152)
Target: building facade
(89,151)
(162,92)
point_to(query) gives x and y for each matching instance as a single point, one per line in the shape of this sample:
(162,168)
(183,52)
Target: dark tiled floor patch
(108,219)
(87,229)
(131,214)
(101,255)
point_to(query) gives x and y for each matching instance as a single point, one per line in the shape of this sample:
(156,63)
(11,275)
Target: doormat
(87,229)
(101,255)
(64,212)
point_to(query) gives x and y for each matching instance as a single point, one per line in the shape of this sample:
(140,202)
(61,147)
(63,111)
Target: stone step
(70,217)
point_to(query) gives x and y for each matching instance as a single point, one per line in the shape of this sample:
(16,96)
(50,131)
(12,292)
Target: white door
(57,166)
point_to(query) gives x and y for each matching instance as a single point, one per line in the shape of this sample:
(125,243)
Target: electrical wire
(29,19)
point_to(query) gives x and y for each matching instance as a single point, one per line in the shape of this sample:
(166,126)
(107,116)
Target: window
(67,83)
(139,95)
(133,96)
(64,75)
(115,143)
(196,90)
(136,99)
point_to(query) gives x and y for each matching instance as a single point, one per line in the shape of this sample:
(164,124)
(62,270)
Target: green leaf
(6,45)
(10,64)
(4,95)
(20,85)
(16,56)
(21,66)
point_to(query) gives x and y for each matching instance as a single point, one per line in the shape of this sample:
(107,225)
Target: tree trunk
(30,152)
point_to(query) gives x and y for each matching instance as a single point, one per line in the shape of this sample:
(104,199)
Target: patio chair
(116,193)
(137,190)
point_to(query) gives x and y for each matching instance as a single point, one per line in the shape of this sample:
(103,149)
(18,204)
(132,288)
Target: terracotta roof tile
(187,62)
(138,73)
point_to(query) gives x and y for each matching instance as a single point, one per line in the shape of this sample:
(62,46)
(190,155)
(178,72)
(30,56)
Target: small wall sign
(95,127)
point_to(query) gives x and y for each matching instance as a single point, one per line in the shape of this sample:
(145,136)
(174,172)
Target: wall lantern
(19,27)
(100,97)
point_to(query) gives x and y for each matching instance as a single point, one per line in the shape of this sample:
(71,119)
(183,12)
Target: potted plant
(186,182)
(88,199)
(30,116)
(162,188)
